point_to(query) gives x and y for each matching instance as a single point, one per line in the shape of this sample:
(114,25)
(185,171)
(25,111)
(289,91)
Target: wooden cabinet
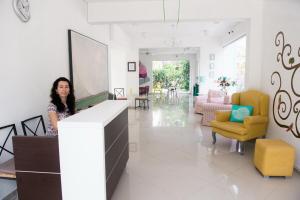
(37,167)
(116,150)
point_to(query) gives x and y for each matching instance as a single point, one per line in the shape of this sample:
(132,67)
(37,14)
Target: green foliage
(291,60)
(173,75)
(186,74)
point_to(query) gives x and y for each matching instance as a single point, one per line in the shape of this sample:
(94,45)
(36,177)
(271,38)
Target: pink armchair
(207,105)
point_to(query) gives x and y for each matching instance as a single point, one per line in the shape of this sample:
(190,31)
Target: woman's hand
(53,119)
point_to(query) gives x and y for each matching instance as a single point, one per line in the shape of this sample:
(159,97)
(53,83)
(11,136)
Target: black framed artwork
(131,66)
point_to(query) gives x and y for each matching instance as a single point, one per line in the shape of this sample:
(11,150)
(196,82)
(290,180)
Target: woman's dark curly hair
(55,99)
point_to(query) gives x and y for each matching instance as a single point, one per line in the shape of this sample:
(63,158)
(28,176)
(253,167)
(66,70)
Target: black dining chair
(7,168)
(34,126)
(119,94)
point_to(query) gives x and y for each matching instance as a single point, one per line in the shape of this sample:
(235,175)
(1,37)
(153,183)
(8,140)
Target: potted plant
(225,82)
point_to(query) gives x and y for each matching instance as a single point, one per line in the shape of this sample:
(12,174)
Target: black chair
(33,124)
(111,96)
(7,169)
(119,94)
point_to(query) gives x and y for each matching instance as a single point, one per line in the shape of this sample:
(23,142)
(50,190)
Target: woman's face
(63,89)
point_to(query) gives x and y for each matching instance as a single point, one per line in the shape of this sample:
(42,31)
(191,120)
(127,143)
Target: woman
(62,103)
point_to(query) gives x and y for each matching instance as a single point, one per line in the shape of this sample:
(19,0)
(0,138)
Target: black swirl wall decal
(284,106)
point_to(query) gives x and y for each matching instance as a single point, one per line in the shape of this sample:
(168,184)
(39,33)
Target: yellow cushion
(254,98)
(234,127)
(273,157)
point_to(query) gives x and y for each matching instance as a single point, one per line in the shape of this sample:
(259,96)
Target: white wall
(123,51)
(34,54)
(211,46)
(281,16)
(216,47)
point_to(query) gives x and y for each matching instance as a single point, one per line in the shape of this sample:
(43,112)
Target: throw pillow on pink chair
(207,105)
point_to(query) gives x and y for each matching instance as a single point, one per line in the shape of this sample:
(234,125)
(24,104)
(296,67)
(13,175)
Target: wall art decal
(286,102)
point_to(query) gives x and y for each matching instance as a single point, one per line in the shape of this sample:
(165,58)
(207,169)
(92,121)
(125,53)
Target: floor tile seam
(227,189)
(246,190)
(228,173)
(152,184)
(278,185)
(228,194)
(161,187)
(270,193)
(231,170)
(155,156)
(217,181)
(189,155)
(150,156)
(203,157)
(253,166)
(196,190)
(161,160)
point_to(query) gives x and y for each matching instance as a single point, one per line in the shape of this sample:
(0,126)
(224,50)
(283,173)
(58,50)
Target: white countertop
(100,114)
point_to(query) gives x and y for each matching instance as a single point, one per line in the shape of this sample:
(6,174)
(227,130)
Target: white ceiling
(176,37)
(115,0)
(162,29)
(173,34)
(166,51)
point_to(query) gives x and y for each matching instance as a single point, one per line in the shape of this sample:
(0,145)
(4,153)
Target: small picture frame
(212,56)
(211,66)
(131,66)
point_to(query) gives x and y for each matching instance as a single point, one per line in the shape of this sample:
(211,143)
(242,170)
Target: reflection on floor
(8,189)
(172,158)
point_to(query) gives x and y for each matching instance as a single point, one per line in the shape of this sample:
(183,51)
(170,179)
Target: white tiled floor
(172,158)
(6,187)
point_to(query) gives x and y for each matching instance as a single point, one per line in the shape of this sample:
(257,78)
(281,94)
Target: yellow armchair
(253,127)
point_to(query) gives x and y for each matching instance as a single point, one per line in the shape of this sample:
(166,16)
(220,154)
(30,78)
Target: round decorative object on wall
(21,8)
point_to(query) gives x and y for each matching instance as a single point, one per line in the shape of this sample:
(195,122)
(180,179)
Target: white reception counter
(82,150)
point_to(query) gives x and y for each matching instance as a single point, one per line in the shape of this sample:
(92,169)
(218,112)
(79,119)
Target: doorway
(173,74)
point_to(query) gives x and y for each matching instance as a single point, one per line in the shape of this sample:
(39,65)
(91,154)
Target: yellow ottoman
(273,157)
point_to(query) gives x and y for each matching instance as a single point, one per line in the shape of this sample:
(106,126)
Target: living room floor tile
(172,158)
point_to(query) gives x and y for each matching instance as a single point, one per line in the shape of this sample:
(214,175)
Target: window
(234,63)
(171,74)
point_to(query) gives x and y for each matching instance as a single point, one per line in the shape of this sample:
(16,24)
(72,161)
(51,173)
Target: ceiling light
(178,13)
(164,10)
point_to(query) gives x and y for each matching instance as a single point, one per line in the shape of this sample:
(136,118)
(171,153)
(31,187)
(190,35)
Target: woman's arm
(53,119)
